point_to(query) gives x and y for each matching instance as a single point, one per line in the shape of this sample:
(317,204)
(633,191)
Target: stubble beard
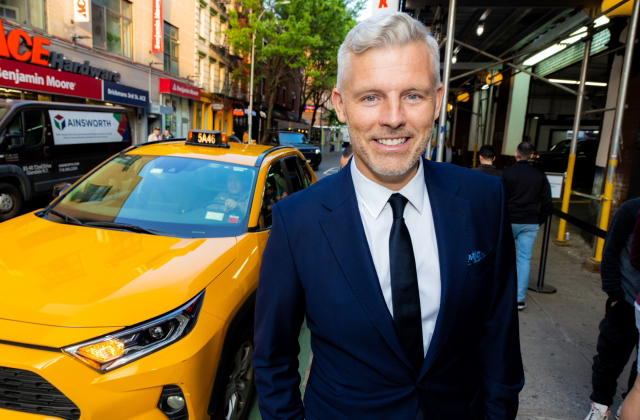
(383,164)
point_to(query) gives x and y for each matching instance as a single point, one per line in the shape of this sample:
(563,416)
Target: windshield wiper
(64,216)
(128,227)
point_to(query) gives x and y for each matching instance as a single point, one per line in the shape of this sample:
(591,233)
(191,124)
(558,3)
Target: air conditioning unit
(197,84)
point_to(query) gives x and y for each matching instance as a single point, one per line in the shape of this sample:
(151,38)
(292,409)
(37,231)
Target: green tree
(282,42)
(331,20)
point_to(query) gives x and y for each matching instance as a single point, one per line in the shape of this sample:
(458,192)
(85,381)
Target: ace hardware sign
(27,63)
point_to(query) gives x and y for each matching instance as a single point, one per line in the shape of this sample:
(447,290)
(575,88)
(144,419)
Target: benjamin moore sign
(177,88)
(77,127)
(43,79)
(157,40)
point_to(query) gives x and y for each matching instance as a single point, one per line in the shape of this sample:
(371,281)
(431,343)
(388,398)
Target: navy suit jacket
(317,263)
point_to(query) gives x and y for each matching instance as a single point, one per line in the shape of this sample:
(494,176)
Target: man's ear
(439,95)
(338,105)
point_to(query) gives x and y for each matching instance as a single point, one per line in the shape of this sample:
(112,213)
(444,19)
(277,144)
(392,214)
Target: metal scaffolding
(485,131)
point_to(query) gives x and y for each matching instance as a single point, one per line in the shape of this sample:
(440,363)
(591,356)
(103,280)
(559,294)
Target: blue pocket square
(475,257)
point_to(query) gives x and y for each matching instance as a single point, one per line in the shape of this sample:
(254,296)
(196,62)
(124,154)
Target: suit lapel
(354,256)
(451,221)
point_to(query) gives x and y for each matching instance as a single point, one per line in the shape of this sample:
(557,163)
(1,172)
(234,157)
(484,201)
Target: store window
(112,26)
(171,48)
(26,12)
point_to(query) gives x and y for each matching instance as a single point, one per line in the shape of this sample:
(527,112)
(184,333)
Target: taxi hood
(74,276)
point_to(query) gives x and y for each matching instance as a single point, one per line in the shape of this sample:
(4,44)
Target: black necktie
(405,295)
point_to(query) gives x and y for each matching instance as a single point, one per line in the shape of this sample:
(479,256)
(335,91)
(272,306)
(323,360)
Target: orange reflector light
(189,136)
(103,351)
(224,138)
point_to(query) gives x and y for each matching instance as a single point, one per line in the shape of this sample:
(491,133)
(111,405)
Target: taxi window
(294,173)
(275,189)
(184,197)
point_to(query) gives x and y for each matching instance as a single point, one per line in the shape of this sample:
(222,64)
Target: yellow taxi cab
(131,295)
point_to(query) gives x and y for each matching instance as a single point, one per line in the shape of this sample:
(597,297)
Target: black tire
(240,388)
(10,201)
(315,167)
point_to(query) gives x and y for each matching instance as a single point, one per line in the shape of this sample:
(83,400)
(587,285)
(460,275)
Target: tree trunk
(272,100)
(313,120)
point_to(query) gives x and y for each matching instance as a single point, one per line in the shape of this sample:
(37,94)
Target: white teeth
(392,142)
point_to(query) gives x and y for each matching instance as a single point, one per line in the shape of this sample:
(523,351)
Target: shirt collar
(374,196)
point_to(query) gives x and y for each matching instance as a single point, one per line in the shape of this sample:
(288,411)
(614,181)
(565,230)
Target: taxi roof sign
(208,138)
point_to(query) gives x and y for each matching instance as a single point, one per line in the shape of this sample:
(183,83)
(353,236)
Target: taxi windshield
(174,196)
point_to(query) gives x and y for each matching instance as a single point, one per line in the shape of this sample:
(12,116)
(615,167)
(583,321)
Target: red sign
(10,47)
(178,88)
(157,41)
(14,74)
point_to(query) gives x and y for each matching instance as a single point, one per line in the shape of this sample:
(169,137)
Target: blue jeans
(525,236)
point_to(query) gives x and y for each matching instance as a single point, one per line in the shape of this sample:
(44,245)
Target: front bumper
(132,391)
(313,159)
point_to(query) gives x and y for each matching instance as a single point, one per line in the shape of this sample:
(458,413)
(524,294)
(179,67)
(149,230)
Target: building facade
(166,68)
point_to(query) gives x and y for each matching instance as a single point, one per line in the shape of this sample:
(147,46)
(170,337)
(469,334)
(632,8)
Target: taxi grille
(28,392)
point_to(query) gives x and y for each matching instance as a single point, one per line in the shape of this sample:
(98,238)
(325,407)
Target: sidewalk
(558,334)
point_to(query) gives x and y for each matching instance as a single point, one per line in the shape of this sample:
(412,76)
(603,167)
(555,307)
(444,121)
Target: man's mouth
(392,142)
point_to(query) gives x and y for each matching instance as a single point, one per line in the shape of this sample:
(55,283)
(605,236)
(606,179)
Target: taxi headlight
(317,151)
(117,349)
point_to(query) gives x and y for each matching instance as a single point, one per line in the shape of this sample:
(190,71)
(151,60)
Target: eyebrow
(379,91)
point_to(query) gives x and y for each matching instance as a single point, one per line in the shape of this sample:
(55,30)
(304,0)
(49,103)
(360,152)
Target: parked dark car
(557,160)
(298,140)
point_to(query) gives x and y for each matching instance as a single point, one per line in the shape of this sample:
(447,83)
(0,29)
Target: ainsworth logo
(59,122)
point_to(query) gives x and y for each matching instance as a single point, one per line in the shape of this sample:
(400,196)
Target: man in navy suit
(404,268)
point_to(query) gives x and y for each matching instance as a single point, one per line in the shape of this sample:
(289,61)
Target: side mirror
(13,140)
(58,189)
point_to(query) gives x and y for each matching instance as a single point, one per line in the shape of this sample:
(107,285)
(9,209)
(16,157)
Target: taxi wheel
(10,201)
(315,167)
(240,386)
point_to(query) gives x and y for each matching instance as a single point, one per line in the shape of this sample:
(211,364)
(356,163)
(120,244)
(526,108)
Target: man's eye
(369,98)
(413,96)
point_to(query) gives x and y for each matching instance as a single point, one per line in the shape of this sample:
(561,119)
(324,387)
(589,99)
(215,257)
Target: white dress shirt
(377,218)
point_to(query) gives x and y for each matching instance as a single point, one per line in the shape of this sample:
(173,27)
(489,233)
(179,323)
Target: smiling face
(389,102)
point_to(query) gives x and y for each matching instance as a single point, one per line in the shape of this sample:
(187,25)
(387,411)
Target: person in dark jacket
(529,201)
(618,333)
(631,407)
(487,155)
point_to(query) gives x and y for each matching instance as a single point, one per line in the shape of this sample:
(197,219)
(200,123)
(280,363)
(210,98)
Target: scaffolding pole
(522,69)
(617,130)
(487,121)
(442,121)
(574,141)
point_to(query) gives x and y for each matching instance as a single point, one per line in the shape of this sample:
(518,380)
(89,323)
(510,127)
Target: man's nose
(393,114)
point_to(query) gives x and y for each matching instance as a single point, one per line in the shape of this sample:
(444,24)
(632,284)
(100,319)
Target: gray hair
(383,30)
